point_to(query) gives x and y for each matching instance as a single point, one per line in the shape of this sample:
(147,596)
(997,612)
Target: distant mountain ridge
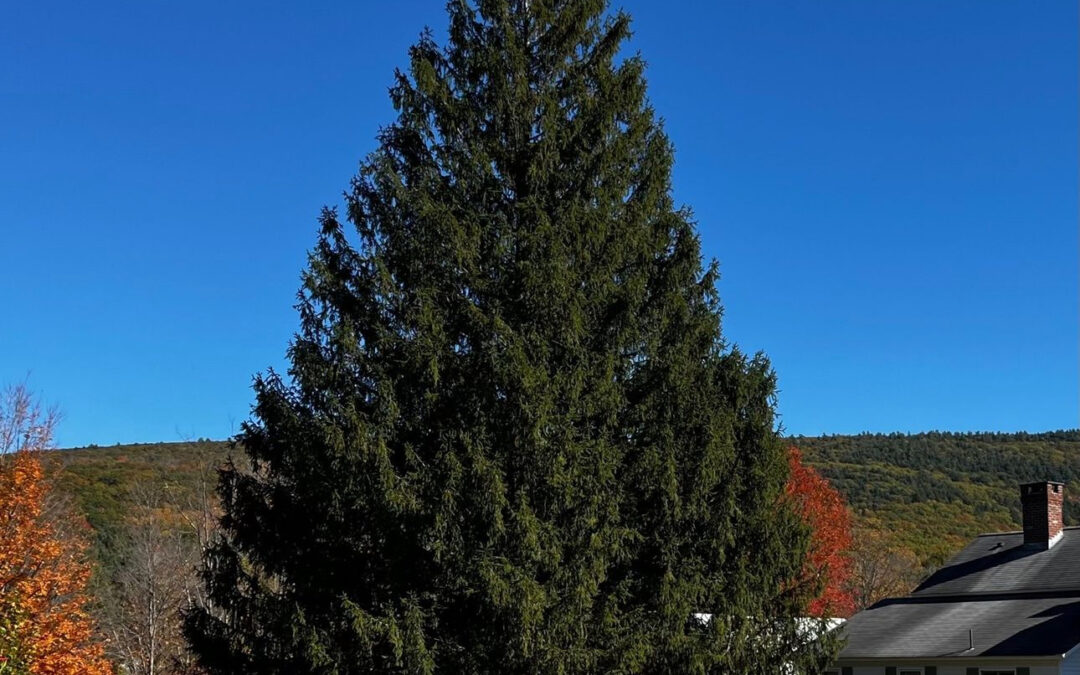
(931,492)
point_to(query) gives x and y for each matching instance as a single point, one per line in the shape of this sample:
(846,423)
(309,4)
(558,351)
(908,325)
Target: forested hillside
(926,492)
(931,492)
(107,484)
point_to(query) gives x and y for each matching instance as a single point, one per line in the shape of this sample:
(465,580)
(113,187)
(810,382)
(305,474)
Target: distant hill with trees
(105,482)
(928,492)
(931,492)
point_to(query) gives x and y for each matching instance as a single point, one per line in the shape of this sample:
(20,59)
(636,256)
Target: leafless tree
(24,422)
(168,526)
(149,588)
(199,509)
(881,568)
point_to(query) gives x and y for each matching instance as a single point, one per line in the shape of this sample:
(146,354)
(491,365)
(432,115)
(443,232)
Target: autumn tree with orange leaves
(828,564)
(45,628)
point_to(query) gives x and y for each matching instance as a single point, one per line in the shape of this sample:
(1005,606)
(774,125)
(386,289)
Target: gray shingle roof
(999,563)
(937,628)
(1017,601)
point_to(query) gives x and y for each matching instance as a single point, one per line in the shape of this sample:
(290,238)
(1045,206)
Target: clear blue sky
(890,187)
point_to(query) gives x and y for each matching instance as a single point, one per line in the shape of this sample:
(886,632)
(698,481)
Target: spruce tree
(512,438)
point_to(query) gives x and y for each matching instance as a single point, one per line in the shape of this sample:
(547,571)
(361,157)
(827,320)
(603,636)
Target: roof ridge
(997,534)
(954,596)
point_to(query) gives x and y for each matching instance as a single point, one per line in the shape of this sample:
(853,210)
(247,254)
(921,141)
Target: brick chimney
(1042,506)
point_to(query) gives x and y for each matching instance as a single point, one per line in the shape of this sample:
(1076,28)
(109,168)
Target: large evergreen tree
(512,439)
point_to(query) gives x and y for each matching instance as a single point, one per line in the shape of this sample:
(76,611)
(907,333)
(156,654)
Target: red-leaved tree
(828,563)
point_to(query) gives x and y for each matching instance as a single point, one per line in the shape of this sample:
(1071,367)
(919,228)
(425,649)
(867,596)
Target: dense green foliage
(934,491)
(512,439)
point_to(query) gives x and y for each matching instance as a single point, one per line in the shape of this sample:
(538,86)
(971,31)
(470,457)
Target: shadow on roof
(1055,636)
(979,564)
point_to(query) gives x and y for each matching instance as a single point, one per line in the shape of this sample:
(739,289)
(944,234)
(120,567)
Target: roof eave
(871,660)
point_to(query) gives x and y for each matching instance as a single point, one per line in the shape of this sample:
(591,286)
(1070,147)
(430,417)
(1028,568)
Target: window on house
(910,671)
(996,671)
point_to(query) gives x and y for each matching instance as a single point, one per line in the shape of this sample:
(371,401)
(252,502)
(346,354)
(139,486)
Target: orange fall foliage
(43,575)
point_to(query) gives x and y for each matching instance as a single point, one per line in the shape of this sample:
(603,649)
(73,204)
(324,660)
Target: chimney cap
(1040,486)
